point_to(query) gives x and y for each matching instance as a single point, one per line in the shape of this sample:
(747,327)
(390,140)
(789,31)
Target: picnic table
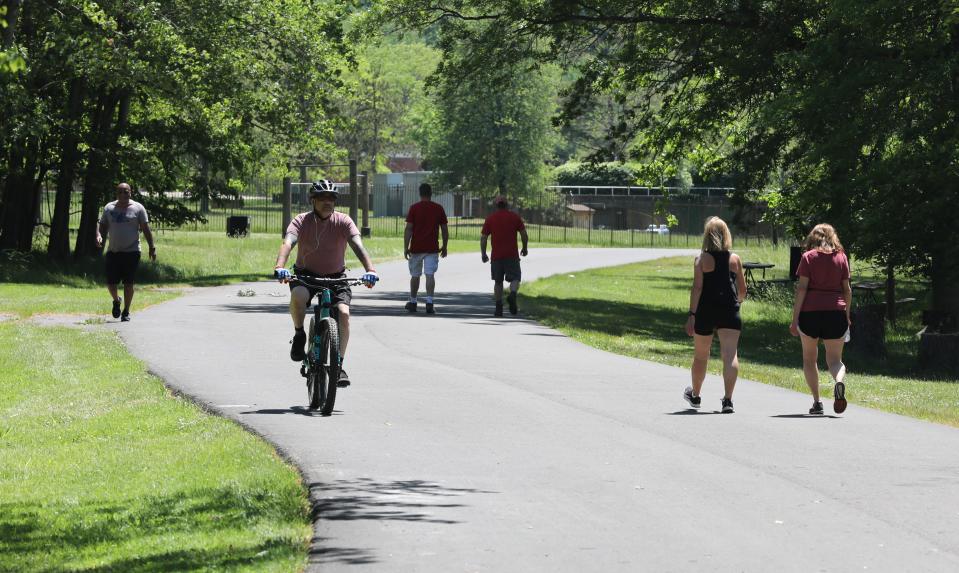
(868,291)
(748,268)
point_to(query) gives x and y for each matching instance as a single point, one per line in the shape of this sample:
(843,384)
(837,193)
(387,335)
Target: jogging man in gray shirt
(123,220)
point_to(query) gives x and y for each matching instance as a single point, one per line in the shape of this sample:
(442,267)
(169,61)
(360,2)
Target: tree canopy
(841,111)
(171,96)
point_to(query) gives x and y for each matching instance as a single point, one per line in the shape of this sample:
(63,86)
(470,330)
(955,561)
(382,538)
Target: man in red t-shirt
(503,225)
(421,244)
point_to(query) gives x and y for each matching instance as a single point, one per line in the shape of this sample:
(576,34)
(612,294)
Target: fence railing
(615,216)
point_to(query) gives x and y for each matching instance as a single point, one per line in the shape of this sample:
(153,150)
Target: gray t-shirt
(123,226)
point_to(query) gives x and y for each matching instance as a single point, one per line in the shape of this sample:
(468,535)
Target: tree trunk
(59,246)
(97,177)
(32,182)
(13,194)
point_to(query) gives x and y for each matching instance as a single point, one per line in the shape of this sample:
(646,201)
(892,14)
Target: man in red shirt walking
(421,244)
(503,225)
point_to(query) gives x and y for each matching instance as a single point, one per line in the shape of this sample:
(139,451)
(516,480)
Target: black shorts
(338,293)
(708,319)
(122,267)
(825,324)
(505,268)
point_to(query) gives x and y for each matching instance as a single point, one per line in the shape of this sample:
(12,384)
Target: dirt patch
(5,317)
(74,320)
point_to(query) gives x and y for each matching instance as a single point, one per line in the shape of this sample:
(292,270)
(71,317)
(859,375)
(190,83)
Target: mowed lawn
(640,310)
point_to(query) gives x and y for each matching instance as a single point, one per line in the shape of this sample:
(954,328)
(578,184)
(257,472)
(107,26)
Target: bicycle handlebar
(323,281)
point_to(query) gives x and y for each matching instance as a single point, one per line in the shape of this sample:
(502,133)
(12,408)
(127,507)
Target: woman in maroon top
(823,302)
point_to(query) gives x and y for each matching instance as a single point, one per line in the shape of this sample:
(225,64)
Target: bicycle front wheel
(315,374)
(329,367)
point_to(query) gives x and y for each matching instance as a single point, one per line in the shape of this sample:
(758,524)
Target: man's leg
(344,324)
(498,297)
(416,269)
(415,287)
(430,287)
(127,296)
(299,298)
(511,298)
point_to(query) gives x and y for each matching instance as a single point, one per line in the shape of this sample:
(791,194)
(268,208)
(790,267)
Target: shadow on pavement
(456,305)
(807,416)
(691,412)
(299,410)
(369,499)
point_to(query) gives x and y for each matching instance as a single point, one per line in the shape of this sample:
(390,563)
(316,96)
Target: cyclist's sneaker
(116,308)
(411,306)
(297,351)
(511,299)
(344,380)
(839,398)
(816,408)
(499,309)
(125,316)
(728,406)
(429,308)
(694,401)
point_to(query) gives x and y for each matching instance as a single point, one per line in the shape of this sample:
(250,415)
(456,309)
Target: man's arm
(145,227)
(356,243)
(445,232)
(288,243)
(407,236)
(483,247)
(525,238)
(102,228)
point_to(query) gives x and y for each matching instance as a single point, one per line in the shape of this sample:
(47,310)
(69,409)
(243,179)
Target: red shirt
(321,243)
(503,224)
(426,217)
(825,271)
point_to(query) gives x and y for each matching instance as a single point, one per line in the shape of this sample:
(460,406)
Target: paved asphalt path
(473,443)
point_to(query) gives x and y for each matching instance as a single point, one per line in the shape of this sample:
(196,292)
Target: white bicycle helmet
(323,186)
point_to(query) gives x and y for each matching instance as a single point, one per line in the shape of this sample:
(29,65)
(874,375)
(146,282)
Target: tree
(172,96)
(854,101)
(386,92)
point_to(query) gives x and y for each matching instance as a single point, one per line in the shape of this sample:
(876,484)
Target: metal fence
(620,216)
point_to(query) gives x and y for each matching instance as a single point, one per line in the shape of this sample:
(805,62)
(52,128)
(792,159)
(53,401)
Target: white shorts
(431,262)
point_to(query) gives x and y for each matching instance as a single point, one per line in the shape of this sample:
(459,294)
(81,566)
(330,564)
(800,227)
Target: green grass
(94,473)
(639,310)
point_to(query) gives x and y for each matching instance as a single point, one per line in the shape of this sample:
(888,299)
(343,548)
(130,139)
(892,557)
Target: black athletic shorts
(505,268)
(709,318)
(122,267)
(338,293)
(825,324)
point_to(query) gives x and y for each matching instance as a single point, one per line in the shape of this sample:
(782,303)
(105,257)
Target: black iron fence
(619,216)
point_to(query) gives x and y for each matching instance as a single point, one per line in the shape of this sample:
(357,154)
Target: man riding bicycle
(322,235)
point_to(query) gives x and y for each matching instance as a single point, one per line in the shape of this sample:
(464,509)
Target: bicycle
(321,367)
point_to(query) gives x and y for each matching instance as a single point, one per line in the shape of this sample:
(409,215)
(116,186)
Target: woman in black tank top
(718,289)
